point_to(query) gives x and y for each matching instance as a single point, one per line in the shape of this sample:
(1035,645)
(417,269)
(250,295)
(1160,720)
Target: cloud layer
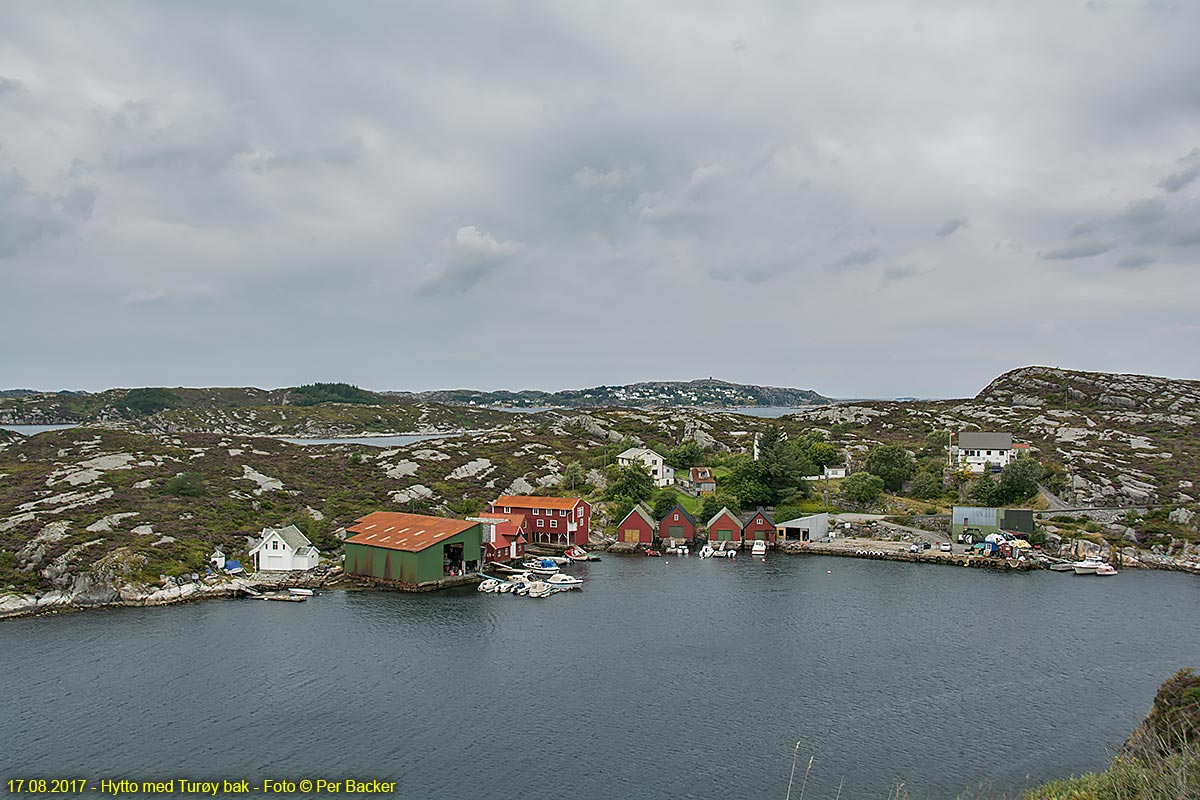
(891,199)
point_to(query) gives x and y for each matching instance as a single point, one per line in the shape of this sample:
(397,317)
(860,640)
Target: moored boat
(1088,566)
(540,589)
(563,582)
(490,585)
(541,566)
(760,548)
(1106,569)
(298,592)
(577,553)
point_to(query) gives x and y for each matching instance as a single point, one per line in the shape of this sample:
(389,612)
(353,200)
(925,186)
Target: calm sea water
(663,678)
(32,430)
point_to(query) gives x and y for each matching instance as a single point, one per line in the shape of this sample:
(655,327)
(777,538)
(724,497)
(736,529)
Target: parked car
(926,545)
(945,547)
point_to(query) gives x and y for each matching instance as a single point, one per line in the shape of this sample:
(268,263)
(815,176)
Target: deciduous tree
(892,463)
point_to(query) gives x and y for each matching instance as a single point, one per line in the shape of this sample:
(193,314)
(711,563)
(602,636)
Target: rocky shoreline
(86,594)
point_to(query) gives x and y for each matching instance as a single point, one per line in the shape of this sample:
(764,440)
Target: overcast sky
(866,199)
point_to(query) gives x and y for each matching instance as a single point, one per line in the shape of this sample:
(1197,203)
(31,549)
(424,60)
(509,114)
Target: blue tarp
(546,562)
(233,566)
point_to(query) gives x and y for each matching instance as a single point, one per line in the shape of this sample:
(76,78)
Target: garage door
(760,534)
(632,535)
(275,562)
(675,531)
(724,536)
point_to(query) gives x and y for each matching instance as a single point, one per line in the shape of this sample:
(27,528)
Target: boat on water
(489,586)
(760,548)
(1088,566)
(654,554)
(540,589)
(301,592)
(564,582)
(1106,569)
(1068,567)
(541,566)
(678,550)
(577,553)
(286,598)
(707,551)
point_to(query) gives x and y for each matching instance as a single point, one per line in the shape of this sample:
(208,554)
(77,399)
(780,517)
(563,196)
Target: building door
(725,536)
(675,531)
(760,535)
(633,535)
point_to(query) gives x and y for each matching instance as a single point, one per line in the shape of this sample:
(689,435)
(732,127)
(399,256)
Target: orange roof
(411,532)
(530,501)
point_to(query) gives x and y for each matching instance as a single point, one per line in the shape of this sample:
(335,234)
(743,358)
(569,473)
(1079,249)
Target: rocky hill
(1051,387)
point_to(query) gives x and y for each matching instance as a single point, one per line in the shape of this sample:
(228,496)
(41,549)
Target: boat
(1067,567)
(760,548)
(1088,566)
(654,554)
(490,585)
(286,598)
(707,551)
(541,566)
(540,589)
(506,586)
(577,553)
(1106,569)
(564,582)
(301,592)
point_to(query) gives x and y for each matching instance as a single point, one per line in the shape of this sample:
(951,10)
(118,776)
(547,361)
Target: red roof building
(559,521)
(701,480)
(504,536)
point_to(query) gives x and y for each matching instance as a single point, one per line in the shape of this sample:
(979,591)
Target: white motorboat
(563,582)
(541,566)
(1088,566)
(1106,569)
(760,548)
(489,586)
(295,592)
(707,551)
(540,589)
(678,550)
(506,586)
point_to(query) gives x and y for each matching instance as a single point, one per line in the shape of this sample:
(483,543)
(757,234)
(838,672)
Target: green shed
(412,550)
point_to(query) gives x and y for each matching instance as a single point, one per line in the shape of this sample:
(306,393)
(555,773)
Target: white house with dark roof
(976,449)
(283,550)
(657,465)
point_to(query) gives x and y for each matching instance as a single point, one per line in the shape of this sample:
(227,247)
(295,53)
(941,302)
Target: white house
(283,550)
(828,472)
(217,559)
(656,464)
(976,449)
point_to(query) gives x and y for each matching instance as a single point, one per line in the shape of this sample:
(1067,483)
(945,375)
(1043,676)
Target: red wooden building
(559,521)
(677,524)
(504,536)
(758,525)
(638,527)
(725,527)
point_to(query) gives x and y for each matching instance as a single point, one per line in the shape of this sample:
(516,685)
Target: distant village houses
(283,550)
(663,474)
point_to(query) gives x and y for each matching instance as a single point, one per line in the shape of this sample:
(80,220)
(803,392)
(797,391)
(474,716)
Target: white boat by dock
(298,592)
(1088,566)
(759,548)
(563,582)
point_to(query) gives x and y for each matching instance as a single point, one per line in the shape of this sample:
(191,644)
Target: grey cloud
(857,258)
(951,225)
(335,155)
(1141,213)
(1135,261)
(473,256)
(28,216)
(900,272)
(9,85)
(1081,250)
(1189,170)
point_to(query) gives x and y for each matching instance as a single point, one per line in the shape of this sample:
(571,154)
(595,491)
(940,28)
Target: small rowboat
(301,592)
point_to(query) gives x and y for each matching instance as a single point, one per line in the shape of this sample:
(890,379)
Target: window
(676,518)
(274,544)
(535,512)
(579,512)
(508,509)
(553,523)
(562,512)
(541,523)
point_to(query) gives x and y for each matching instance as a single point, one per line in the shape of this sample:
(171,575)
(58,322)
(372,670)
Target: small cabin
(725,527)
(638,527)
(677,524)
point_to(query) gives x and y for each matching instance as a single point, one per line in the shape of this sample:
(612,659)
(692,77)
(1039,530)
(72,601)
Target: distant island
(707,393)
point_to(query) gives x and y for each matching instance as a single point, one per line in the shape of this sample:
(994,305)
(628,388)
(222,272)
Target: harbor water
(664,678)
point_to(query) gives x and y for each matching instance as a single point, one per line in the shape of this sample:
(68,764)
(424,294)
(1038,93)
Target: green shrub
(150,400)
(186,484)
